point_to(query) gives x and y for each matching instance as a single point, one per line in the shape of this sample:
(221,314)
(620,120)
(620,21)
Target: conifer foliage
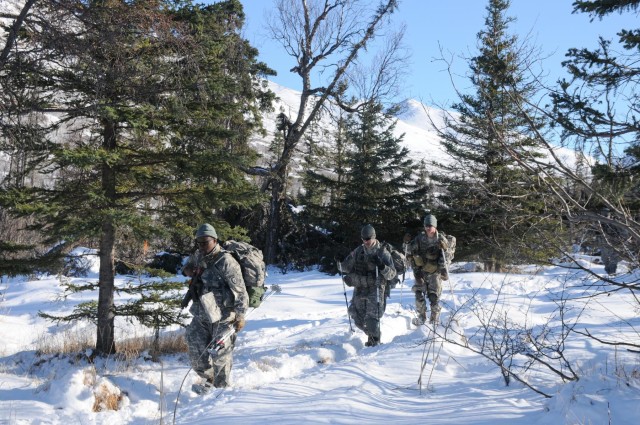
(138,114)
(597,109)
(493,199)
(374,182)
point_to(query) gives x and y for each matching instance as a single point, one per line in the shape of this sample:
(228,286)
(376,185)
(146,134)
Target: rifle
(219,344)
(188,296)
(446,267)
(192,293)
(403,274)
(444,258)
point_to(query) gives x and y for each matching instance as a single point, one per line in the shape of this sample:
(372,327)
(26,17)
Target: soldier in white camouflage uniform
(426,253)
(369,267)
(219,304)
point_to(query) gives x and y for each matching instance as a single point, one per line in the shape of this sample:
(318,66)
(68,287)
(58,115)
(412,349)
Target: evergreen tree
(138,113)
(375,184)
(597,109)
(324,172)
(491,202)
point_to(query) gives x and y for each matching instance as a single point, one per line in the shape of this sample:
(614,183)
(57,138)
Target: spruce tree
(489,201)
(138,113)
(323,174)
(377,184)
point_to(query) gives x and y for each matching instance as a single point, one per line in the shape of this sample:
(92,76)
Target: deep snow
(297,361)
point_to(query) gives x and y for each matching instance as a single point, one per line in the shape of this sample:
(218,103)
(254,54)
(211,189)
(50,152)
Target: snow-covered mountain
(413,123)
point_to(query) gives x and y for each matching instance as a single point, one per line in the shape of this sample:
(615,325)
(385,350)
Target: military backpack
(451,250)
(399,260)
(253,268)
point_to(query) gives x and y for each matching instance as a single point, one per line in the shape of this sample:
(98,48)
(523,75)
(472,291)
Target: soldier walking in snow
(219,305)
(369,267)
(426,253)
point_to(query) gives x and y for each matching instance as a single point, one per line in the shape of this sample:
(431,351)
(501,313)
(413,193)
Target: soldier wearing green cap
(219,305)
(369,269)
(426,253)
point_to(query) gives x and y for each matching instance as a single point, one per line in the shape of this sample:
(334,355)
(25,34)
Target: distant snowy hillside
(414,123)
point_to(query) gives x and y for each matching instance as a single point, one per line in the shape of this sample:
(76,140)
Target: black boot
(372,342)
(203,387)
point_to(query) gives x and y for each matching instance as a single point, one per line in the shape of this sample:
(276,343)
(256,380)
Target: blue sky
(454,24)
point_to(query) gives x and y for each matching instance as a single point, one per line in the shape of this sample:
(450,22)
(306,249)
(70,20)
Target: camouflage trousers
(366,309)
(199,335)
(427,285)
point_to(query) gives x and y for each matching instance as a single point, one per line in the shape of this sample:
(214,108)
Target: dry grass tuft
(134,347)
(107,397)
(79,341)
(67,342)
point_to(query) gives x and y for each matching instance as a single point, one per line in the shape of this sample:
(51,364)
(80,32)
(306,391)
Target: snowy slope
(419,137)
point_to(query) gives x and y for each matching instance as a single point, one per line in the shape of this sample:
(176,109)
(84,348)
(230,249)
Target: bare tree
(325,38)
(13,31)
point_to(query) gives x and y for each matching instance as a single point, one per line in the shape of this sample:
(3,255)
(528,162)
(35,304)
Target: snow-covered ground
(297,362)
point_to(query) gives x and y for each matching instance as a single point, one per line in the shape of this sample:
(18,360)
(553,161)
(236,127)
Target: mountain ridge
(413,124)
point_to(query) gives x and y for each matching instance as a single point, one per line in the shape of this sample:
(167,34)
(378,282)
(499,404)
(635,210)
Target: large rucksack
(253,268)
(399,260)
(450,252)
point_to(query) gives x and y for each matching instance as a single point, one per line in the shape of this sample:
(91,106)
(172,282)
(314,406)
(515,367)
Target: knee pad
(433,299)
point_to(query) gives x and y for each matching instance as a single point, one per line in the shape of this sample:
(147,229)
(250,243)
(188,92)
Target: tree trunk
(273,223)
(13,32)
(105,342)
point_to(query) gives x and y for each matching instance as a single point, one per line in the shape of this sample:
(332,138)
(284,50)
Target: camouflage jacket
(360,265)
(426,253)
(218,272)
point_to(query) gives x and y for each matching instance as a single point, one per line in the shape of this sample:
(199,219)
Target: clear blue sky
(454,24)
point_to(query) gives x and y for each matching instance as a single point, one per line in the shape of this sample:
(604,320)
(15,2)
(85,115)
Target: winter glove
(443,274)
(239,322)
(378,262)
(348,281)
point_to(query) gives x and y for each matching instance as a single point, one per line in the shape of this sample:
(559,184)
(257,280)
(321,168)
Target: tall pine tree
(374,183)
(139,115)
(491,202)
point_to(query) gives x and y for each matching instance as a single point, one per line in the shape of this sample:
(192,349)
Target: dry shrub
(170,343)
(66,342)
(79,340)
(173,343)
(107,396)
